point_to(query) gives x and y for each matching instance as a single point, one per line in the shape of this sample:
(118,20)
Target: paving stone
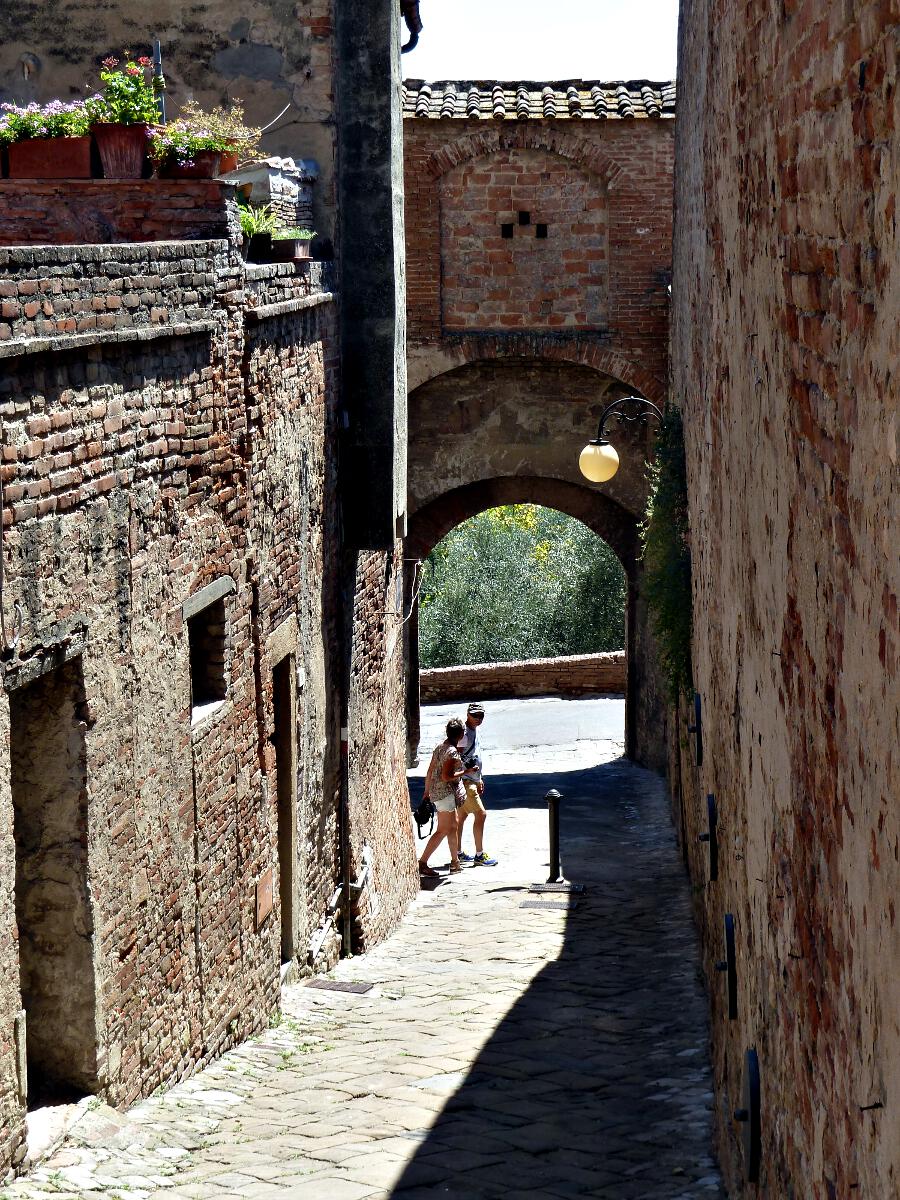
(500,1053)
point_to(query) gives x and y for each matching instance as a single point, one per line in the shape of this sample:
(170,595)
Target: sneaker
(463,857)
(483,860)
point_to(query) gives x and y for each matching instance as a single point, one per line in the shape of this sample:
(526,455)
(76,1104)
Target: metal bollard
(553,798)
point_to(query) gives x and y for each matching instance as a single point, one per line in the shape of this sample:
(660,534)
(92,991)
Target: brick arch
(429,362)
(609,520)
(523,136)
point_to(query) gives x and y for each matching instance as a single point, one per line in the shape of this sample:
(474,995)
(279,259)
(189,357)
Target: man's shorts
(473,802)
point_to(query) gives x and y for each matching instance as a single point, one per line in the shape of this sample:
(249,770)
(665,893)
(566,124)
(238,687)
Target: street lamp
(599,461)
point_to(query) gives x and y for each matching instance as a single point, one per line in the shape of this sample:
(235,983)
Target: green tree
(520,581)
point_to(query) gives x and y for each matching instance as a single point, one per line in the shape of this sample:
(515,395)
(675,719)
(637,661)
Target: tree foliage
(520,581)
(667,557)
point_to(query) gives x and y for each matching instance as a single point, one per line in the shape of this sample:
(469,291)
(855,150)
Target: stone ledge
(284,307)
(50,254)
(79,341)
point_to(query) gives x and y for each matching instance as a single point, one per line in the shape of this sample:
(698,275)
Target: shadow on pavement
(596,1082)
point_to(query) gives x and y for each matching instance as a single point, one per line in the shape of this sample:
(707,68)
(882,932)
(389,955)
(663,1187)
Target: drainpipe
(410,9)
(351,889)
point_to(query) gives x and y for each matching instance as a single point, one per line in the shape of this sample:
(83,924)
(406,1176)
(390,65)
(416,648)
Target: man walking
(474,785)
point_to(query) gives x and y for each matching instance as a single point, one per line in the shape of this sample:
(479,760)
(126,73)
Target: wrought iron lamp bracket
(632,409)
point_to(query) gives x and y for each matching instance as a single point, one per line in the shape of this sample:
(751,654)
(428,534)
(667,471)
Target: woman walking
(443,784)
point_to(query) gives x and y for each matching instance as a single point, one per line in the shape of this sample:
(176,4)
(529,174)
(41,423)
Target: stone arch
(524,136)
(427,362)
(614,524)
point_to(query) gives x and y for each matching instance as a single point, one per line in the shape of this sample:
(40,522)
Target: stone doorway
(285,741)
(53,911)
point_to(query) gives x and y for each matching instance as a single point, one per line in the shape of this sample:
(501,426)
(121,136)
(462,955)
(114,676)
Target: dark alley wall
(785,343)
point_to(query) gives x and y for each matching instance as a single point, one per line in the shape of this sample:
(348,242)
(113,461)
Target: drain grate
(566,905)
(568,888)
(336,985)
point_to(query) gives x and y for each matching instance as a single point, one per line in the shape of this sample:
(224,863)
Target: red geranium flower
(110,62)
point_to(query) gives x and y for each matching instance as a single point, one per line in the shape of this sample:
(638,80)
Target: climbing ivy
(667,556)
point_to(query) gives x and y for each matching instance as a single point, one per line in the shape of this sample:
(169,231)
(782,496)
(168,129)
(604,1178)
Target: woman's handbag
(422,814)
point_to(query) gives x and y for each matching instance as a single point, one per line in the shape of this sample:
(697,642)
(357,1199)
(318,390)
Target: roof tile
(568,99)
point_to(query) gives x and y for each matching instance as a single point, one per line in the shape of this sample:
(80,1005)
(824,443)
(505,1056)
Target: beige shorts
(473,804)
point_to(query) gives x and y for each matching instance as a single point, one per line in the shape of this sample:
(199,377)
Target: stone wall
(572,675)
(785,345)
(154,471)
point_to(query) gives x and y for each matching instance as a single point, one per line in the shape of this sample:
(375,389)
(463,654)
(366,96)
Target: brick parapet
(100,211)
(571,675)
(50,293)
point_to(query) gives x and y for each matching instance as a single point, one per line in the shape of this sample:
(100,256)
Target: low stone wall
(577,675)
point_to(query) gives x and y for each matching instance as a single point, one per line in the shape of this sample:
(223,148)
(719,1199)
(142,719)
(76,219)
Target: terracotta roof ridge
(460,81)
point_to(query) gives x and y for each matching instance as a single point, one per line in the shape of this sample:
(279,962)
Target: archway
(644,710)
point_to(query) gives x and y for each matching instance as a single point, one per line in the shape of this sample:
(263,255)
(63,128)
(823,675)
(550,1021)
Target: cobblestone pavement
(503,1051)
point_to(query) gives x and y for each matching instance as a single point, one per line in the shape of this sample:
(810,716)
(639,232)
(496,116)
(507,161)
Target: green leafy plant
(181,140)
(294,234)
(227,124)
(23,123)
(130,92)
(667,557)
(257,219)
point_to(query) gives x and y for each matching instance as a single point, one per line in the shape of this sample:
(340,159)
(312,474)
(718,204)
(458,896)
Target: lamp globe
(598,462)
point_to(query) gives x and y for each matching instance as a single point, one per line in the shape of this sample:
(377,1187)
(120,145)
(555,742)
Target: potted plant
(185,150)
(240,142)
(289,245)
(47,142)
(257,225)
(123,116)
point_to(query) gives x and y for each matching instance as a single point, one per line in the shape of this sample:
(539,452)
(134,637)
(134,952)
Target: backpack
(422,814)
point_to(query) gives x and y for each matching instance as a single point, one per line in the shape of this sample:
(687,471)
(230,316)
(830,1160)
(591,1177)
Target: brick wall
(144,460)
(86,211)
(573,675)
(785,346)
(523,244)
(605,194)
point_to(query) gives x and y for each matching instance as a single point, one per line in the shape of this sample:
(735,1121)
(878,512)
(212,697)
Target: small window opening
(540,230)
(506,230)
(206,638)
(524,218)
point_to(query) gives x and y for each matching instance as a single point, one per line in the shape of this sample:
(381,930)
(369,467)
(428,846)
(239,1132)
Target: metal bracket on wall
(711,836)
(749,1115)
(729,966)
(697,727)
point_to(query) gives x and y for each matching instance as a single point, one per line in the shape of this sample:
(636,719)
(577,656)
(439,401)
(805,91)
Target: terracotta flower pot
(51,158)
(290,249)
(229,162)
(123,149)
(204,165)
